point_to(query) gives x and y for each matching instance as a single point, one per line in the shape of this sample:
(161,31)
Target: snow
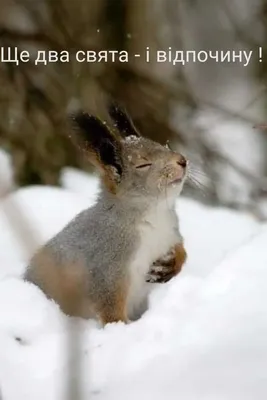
(132,139)
(203,337)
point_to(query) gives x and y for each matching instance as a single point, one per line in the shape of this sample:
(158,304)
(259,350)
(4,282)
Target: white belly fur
(158,233)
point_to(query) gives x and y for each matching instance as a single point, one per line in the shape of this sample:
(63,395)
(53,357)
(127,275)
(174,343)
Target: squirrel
(103,263)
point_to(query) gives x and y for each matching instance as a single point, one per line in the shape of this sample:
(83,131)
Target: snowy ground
(204,336)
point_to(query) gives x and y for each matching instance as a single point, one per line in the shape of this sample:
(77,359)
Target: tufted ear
(122,121)
(98,142)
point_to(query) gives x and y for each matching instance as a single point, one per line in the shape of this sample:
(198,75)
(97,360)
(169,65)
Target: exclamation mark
(260,54)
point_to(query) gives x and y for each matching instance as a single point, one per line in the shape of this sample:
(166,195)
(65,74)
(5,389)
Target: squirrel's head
(130,165)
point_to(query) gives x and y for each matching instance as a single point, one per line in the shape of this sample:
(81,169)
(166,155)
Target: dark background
(207,109)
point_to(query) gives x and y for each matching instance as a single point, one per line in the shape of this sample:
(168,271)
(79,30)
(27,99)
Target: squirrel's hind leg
(112,306)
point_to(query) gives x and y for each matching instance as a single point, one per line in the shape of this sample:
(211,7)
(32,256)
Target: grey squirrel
(104,262)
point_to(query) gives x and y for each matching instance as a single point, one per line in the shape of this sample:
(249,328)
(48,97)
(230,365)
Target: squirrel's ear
(122,121)
(95,138)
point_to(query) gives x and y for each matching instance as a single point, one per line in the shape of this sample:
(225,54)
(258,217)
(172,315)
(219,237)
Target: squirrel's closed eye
(147,165)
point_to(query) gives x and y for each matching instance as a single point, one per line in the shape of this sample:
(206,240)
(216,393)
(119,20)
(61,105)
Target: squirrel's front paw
(160,274)
(163,269)
(168,266)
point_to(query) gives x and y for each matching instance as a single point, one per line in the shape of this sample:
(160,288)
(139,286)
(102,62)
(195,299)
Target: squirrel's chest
(158,232)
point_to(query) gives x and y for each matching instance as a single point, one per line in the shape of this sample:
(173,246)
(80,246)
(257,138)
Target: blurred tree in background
(208,109)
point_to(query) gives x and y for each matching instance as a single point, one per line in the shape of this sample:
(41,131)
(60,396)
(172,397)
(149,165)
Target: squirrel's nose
(182,161)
